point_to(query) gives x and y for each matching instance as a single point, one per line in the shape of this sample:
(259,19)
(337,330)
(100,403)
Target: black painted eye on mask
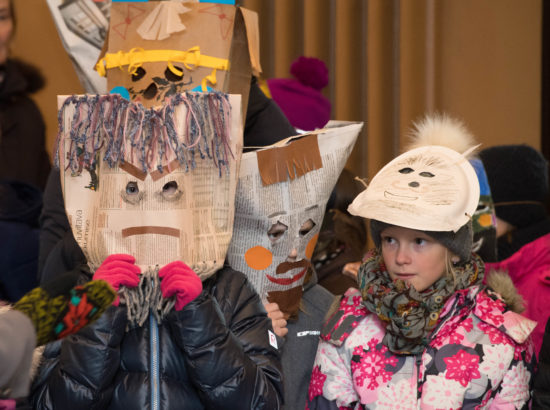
(138,75)
(171,76)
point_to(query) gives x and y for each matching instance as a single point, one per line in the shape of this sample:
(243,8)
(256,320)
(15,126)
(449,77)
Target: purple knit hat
(300,98)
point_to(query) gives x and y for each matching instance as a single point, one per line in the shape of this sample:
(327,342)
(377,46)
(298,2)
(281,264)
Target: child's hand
(119,270)
(351,269)
(277,319)
(180,280)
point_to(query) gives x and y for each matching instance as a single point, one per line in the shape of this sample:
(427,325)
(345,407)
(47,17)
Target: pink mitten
(119,270)
(180,280)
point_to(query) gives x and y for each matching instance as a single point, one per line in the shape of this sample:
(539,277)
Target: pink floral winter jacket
(480,356)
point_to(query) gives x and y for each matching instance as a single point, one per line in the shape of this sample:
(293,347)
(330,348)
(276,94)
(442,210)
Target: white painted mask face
(431,188)
(179,214)
(277,225)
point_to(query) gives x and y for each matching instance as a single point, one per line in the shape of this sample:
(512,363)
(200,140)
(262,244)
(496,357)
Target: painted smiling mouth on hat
(389,195)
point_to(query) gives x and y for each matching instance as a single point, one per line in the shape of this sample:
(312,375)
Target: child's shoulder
(350,313)
(497,310)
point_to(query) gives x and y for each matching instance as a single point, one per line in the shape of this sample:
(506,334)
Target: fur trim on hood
(501,283)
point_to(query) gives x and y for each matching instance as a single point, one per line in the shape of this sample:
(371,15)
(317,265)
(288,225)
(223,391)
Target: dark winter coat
(23,154)
(20,206)
(213,354)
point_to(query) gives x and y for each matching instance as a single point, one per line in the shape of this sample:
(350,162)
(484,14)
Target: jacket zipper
(154,365)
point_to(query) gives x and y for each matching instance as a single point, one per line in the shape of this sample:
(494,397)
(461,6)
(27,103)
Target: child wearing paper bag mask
(422,330)
(280,203)
(153,217)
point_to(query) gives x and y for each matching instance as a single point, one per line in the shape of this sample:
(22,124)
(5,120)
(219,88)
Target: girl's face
(6,29)
(413,256)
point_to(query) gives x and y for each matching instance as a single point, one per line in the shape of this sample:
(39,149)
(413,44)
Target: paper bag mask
(279,208)
(158,184)
(158,49)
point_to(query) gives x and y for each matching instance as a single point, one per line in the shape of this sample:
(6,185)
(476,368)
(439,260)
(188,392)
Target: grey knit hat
(459,242)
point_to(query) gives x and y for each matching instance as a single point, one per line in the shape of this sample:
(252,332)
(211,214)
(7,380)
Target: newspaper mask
(280,203)
(431,188)
(156,184)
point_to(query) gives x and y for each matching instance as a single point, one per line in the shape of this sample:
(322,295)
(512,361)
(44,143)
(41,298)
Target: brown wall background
(390,61)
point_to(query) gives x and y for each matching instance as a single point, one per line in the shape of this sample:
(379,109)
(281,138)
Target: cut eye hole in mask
(138,75)
(131,194)
(150,92)
(171,76)
(306,227)
(276,231)
(170,191)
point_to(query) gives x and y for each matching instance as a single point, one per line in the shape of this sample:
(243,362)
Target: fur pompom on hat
(300,98)
(518,178)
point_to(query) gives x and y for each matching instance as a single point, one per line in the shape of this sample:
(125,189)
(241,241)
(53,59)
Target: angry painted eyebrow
(155,175)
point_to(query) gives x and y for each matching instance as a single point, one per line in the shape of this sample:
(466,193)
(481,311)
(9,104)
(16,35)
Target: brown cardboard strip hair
(140,230)
(291,161)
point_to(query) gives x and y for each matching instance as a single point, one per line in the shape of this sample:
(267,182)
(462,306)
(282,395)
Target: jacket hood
(502,284)
(20,78)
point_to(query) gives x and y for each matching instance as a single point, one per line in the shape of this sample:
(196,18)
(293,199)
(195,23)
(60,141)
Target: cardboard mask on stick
(280,203)
(158,184)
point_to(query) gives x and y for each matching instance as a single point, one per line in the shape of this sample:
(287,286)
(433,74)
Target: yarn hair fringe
(148,138)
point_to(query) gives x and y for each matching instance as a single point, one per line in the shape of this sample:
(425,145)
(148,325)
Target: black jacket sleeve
(224,336)
(58,250)
(541,392)
(77,373)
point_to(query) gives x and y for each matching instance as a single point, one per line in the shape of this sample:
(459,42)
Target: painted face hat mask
(430,188)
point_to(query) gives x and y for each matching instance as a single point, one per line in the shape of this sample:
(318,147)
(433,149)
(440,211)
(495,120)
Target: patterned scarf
(410,315)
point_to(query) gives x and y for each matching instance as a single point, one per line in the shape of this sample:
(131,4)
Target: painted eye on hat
(406,170)
(426,174)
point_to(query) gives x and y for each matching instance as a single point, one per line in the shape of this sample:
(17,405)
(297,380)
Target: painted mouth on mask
(389,195)
(286,267)
(142,230)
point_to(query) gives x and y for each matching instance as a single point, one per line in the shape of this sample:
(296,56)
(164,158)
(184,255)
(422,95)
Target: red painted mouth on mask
(288,281)
(287,267)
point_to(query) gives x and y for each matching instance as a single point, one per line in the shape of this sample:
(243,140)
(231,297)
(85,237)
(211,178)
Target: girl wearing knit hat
(422,331)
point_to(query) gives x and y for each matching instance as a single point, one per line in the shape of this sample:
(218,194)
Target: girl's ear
(455,259)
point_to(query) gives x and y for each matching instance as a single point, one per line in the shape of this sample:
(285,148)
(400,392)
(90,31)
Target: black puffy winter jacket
(213,354)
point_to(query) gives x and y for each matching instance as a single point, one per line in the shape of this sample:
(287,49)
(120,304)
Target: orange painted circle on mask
(311,246)
(258,258)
